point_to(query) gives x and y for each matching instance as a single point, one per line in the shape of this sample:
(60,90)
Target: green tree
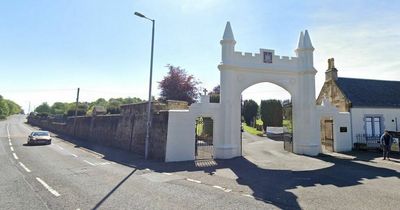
(81,111)
(59,108)
(13,107)
(4,110)
(271,113)
(250,110)
(43,108)
(114,106)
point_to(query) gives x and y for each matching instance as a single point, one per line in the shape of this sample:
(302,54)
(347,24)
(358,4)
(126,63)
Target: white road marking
(74,155)
(24,167)
(60,147)
(10,143)
(222,188)
(169,174)
(15,156)
(247,195)
(89,162)
(103,163)
(55,193)
(8,132)
(193,180)
(12,148)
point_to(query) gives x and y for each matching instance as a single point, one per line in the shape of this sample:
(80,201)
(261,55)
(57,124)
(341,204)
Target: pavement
(72,174)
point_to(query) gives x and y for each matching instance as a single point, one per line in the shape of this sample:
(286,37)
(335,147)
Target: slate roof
(370,93)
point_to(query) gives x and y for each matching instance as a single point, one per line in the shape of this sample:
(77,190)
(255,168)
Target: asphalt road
(64,175)
(73,174)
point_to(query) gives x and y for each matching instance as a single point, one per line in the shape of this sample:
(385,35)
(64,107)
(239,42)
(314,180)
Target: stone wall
(125,131)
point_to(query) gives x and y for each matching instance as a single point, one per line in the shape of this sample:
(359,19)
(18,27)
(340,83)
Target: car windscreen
(40,134)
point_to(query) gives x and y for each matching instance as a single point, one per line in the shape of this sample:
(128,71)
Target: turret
(228,43)
(305,50)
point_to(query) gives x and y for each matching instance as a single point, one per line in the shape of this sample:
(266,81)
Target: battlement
(265,57)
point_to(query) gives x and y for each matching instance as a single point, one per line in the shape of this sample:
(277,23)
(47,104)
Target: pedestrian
(386,142)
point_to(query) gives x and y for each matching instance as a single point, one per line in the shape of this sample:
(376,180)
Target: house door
(327,135)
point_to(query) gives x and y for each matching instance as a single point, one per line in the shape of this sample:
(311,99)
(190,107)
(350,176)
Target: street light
(146,147)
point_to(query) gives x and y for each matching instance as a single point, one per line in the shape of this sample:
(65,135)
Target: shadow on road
(268,185)
(113,190)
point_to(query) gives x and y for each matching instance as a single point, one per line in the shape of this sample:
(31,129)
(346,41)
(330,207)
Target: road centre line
(10,143)
(8,132)
(24,167)
(74,155)
(193,180)
(60,147)
(89,162)
(55,193)
(12,148)
(222,188)
(15,156)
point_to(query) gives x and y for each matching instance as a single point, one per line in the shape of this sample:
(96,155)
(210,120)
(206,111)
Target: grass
(251,130)
(288,125)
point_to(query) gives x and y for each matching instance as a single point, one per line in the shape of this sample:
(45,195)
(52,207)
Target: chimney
(331,73)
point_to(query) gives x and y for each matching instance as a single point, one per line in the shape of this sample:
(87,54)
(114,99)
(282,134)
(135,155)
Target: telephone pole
(76,110)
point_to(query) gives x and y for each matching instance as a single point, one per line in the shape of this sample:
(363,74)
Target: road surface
(71,174)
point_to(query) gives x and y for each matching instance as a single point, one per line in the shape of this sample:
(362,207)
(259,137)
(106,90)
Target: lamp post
(148,125)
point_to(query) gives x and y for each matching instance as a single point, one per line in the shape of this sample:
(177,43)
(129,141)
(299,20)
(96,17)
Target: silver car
(39,137)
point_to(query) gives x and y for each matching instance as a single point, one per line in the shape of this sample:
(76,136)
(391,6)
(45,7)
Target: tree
(114,106)
(250,109)
(59,108)
(43,108)
(13,108)
(81,111)
(215,94)
(4,110)
(271,113)
(178,85)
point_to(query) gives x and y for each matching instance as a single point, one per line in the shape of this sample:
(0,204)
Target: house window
(373,126)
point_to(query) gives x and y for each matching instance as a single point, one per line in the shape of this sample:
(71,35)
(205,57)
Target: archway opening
(204,135)
(270,124)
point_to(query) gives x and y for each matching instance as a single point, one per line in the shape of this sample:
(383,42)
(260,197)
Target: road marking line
(222,188)
(74,155)
(193,180)
(12,148)
(169,174)
(10,143)
(103,163)
(8,132)
(24,167)
(247,195)
(89,162)
(55,193)
(15,156)
(60,147)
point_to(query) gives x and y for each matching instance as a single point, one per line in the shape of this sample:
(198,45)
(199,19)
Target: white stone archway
(295,74)
(241,70)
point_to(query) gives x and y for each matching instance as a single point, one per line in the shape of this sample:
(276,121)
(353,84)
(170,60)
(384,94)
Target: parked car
(39,137)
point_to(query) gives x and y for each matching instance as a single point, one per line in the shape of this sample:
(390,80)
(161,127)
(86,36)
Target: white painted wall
(388,120)
(181,129)
(342,140)
(180,136)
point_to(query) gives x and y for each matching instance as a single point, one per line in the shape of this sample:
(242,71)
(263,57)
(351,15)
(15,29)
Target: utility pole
(76,110)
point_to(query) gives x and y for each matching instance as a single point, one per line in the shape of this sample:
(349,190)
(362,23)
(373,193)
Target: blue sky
(49,48)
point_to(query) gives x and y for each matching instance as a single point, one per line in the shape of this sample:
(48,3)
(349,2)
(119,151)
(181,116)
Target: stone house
(374,105)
